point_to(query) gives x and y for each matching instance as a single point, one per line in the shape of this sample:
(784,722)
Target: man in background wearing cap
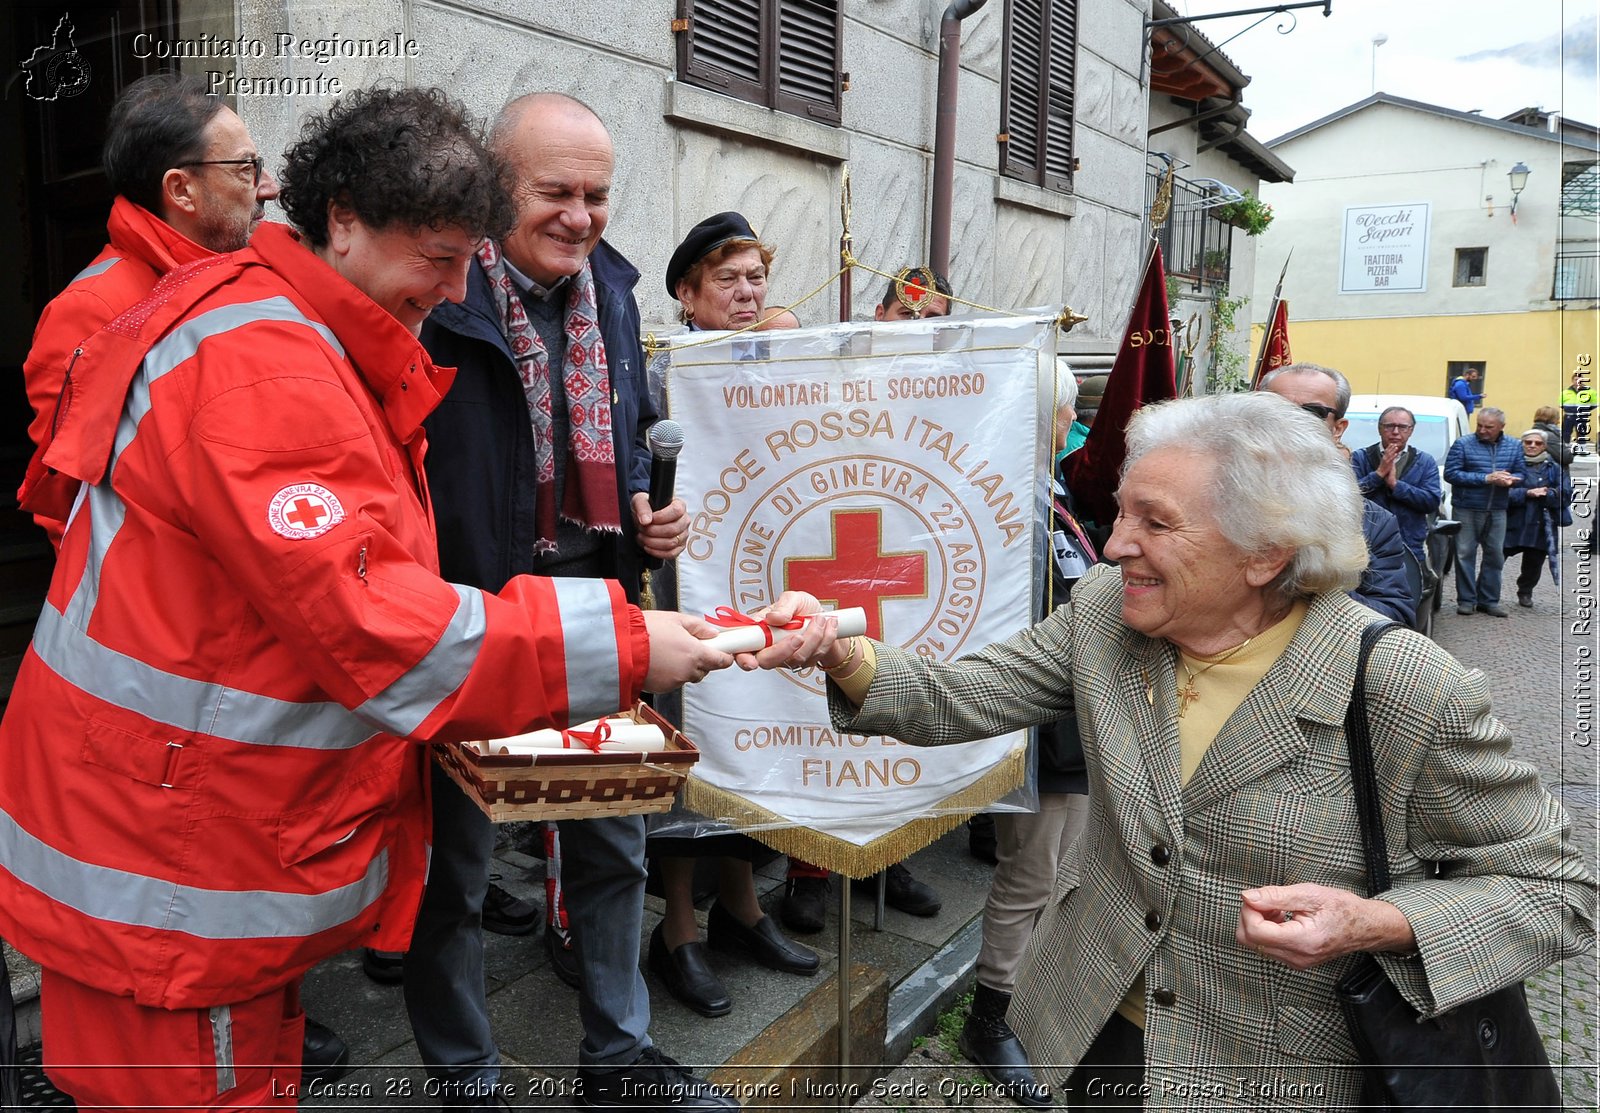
(538,464)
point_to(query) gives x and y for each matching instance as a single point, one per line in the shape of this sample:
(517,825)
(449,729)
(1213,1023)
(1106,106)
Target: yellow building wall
(1528,358)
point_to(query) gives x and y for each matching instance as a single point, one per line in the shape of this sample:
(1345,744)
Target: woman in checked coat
(1188,955)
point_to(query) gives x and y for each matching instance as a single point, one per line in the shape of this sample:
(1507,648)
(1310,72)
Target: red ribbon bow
(589,738)
(730,619)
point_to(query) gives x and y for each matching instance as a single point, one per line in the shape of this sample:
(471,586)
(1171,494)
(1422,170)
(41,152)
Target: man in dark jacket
(1401,479)
(1325,394)
(538,463)
(1481,469)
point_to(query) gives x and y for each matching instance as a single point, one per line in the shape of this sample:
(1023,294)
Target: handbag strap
(1358,737)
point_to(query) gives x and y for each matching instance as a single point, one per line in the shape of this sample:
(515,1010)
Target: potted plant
(1250,214)
(1214,264)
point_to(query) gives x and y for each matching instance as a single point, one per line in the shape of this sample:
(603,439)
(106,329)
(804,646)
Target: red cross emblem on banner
(859,573)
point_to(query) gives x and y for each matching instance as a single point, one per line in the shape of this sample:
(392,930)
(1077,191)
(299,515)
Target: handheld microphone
(666,441)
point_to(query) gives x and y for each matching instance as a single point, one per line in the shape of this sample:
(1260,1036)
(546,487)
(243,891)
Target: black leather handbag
(1485,1054)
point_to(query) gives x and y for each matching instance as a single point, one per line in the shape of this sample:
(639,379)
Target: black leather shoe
(687,976)
(324,1057)
(764,942)
(988,1041)
(1524,598)
(650,1082)
(383,967)
(505,914)
(903,892)
(805,904)
(563,956)
(981,839)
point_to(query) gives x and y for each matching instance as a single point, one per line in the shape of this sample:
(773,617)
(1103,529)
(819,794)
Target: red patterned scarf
(590,497)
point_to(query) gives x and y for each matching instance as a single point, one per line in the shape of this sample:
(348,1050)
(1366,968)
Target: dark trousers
(1111,1073)
(1533,563)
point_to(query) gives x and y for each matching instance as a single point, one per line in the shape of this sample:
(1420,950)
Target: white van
(1440,423)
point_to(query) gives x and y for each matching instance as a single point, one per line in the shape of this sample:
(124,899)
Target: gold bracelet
(855,647)
(849,676)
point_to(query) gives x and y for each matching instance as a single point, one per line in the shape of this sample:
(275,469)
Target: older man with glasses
(1401,479)
(1325,394)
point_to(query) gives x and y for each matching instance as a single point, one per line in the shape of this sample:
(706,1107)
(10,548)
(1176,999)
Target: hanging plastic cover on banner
(901,468)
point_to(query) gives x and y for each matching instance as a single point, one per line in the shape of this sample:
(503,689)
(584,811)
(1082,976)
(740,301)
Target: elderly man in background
(1325,394)
(246,634)
(539,464)
(1401,479)
(189,183)
(1221,874)
(1481,469)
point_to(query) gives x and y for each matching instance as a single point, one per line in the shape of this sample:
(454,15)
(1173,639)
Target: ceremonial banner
(1142,374)
(894,467)
(1275,341)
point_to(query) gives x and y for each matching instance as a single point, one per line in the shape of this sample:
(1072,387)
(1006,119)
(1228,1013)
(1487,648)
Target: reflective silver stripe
(191,705)
(222,1046)
(403,705)
(594,671)
(121,897)
(96,268)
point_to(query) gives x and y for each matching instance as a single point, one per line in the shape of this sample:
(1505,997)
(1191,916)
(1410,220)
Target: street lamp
(1519,181)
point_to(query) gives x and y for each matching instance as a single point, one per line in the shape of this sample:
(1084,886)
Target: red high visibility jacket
(204,787)
(142,248)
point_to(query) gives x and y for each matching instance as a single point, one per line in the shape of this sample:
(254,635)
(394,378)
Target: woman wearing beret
(719,275)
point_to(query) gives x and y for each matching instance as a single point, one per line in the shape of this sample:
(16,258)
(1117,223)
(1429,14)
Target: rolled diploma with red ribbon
(751,635)
(623,735)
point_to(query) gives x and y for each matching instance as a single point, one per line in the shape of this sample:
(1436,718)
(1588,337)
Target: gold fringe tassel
(840,856)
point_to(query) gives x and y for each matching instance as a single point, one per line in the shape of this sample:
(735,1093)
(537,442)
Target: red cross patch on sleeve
(302,511)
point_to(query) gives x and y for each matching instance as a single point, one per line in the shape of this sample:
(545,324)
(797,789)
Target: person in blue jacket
(1482,468)
(1461,389)
(1535,513)
(1401,479)
(1325,394)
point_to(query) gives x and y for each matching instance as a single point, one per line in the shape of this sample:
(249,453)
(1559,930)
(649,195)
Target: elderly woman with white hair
(1197,928)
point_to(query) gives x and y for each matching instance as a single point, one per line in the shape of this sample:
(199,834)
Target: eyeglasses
(1393,428)
(255,164)
(1319,411)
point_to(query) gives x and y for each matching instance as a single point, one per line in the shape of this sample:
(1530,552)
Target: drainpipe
(944,131)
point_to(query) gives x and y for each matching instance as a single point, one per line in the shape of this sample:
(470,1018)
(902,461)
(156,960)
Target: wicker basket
(575,784)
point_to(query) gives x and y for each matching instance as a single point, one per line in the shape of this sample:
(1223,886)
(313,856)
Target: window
(1036,92)
(783,54)
(1471,262)
(1459,367)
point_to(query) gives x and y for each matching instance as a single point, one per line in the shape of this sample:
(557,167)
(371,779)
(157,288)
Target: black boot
(988,1041)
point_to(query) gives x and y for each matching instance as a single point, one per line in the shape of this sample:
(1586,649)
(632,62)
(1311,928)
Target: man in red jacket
(189,183)
(209,776)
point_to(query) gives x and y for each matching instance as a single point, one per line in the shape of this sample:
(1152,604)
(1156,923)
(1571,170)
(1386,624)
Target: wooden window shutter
(784,54)
(1024,39)
(809,35)
(1037,91)
(1058,93)
(721,50)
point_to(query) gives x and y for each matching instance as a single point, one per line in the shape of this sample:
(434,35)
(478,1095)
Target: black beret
(704,238)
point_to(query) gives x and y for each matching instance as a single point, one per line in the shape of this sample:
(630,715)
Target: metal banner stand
(844,985)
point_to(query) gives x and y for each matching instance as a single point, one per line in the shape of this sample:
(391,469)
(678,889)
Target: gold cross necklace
(1190,692)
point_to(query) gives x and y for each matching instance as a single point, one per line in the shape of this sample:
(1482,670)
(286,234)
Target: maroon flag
(1275,344)
(1142,374)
